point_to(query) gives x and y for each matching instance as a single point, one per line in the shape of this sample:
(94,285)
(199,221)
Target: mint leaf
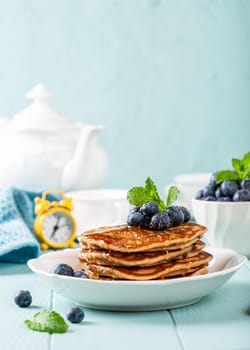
(242,166)
(246,160)
(224,175)
(139,195)
(245,174)
(151,192)
(173,193)
(47,321)
(237,165)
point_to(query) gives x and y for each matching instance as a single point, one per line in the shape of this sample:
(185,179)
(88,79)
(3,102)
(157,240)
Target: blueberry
(208,191)
(241,196)
(160,221)
(149,208)
(245,184)
(199,194)
(135,218)
(176,215)
(218,192)
(186,213)
(63,269)
(212,180)
(229,187)
(145,221)
(80,274)
(224,199)
(23,298)
(210,198)
(134,210)
(75,315)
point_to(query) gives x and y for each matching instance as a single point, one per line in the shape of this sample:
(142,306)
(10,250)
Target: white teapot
(42,149)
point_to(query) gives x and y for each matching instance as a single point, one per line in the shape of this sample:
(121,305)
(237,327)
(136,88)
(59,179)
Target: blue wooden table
(220,321)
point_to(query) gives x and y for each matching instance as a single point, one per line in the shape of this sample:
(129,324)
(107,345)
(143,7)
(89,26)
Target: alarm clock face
(58,227)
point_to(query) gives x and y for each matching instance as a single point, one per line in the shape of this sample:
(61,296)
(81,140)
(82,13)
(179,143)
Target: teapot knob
(39,93)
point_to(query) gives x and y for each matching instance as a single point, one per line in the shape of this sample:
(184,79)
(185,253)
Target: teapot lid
(39,115)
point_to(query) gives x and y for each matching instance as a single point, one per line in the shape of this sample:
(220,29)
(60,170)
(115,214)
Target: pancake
(131,239)
(113,258)
(180,267)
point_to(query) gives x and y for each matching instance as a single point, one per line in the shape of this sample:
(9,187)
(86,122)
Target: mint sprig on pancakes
(151,211)
(139,195)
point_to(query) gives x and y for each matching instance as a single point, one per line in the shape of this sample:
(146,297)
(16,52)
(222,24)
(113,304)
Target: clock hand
(55,227)
(63,225)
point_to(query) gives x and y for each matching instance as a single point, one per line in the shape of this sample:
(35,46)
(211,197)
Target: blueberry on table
(75,315)
(241,196)
(149,208)
(229,187)
(176,215)
(160,221)
(23,298)
(63,269)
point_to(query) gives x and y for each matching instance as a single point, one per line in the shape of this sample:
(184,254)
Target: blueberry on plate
(149,208)
(241,196)
(160,221)
(80,274)
(176,215)
(23,298)
(63,269)
(75,315)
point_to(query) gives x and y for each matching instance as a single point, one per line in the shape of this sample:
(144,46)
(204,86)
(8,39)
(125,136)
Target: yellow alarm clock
(54,225)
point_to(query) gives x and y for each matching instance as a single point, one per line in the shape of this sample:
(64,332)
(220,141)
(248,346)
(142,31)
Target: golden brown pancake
(128,239)
(181,267)
(113,258)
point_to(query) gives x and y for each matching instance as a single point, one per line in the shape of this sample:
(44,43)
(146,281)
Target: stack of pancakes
(133,253)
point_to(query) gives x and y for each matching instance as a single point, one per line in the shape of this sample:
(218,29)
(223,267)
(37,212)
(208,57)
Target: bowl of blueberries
(223,206)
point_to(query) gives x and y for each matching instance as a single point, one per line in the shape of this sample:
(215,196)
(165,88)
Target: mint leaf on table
(139,195)
(241,170)
(47,321)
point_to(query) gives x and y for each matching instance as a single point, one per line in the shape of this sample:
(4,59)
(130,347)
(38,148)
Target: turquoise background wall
(169,79)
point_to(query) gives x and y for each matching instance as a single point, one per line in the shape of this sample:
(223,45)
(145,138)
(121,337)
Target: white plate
(136,295)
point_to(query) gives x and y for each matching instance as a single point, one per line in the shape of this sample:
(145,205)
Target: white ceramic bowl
(228,223)
(99,207)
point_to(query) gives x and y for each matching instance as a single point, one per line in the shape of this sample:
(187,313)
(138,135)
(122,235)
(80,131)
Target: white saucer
(136,295)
